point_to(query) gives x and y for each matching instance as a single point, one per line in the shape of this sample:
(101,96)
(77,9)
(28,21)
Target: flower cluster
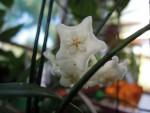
(77,49)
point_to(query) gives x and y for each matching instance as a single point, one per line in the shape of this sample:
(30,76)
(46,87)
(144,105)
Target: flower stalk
(107,17)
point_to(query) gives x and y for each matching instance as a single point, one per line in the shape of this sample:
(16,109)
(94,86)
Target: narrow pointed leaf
(8,34)
(6,110)
(7,3)
(25,90)
(30,90)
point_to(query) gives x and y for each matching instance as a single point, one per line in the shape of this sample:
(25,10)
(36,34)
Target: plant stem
(39,74)
(33,61)
(99,64)
(107,17)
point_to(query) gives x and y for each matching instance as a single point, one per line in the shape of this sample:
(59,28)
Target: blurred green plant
(31,90)
(10,65)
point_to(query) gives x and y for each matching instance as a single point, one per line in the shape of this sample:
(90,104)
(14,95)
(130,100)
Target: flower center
(76,42)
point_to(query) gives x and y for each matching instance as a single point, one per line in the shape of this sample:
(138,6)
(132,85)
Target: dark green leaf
(25,73)
(48,106)
(123,5)
(55,50)
(2,12)
(15,65)
(25,90)
(7,57)
(30,90)
(6,110)
(74,109)
(7,3)
(83,8)
(8,34)
(1,23)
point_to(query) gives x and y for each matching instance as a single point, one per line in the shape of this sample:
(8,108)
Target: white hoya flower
(55,69)
(78,42)
(67,69)
(109,73)
(71,73)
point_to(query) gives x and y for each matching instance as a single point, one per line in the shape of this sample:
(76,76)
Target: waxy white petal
(109,73)
(84,37)
(68,42)
(84,32)
(72,49)
(82,48)
(64,82)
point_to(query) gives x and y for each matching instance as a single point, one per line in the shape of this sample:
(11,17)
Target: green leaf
(48,106)
(25,73)
(51,105)
(74,109)
(25,90)
(9,33)
(7,3)
(30,90)
(6,110)
(83,8)
(123,5)
(7,58)
(15,65)
(2,12)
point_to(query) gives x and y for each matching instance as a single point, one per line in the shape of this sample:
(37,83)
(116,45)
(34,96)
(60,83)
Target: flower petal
(82,48)
(89,43)
(67,42)
(48,54)
(72,49)
(84,37)
(110,72)
(64,82)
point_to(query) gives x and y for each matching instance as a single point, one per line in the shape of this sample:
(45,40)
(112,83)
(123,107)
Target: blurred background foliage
(18,23)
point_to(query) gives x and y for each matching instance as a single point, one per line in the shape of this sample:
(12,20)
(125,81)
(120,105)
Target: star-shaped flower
(78,42)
